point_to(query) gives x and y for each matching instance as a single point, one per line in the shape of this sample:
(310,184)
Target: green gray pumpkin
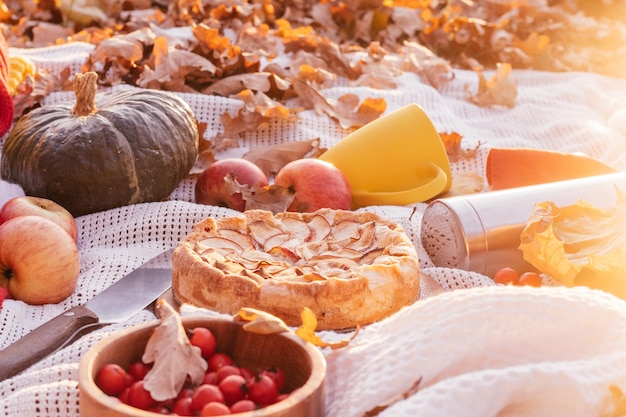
(104,151)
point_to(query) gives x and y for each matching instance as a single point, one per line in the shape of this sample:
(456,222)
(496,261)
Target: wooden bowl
(303,363)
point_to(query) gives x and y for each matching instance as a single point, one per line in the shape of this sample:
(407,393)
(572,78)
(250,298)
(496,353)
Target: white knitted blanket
(481,350)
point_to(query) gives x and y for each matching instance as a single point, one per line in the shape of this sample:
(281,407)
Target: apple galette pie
(350,268)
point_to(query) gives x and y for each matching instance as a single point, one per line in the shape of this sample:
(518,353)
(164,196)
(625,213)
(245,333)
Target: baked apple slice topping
(236,236)
(218,242)
(261,231)
(366,238)
(276,240)
(347,230)
(292,247)
(297,229)
(320,228)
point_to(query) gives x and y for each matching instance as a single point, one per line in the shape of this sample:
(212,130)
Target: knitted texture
(6,101)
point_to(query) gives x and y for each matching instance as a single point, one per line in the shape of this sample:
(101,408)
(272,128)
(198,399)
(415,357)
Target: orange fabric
(517,167)
(6,101)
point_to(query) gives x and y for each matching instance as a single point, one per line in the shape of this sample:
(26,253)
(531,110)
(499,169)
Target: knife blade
(429,287)
(117,303)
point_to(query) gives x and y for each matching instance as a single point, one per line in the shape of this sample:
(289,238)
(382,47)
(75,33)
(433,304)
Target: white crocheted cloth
(480,349)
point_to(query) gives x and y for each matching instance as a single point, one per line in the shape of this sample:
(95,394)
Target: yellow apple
(39,260)
(37,206)
(317,184)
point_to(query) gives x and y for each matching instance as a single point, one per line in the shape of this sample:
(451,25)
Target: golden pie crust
(350,268)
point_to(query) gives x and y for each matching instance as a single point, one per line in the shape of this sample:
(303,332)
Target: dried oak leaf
(499,90)
(171,67)
(83,12)
(272,198)
(129,47)
(229,59)
(205,154)
(303,59)
(173,357)
(346,110)
(452,143)
(315,75)
(260,322)
(33,90)
(45,34)
(272,158)
(381,69)
(259,39)
(257,113)
(265,82)
(114,57)
(431,68)
(304,38)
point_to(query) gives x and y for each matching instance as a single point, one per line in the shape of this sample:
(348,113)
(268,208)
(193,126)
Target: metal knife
(117,303)
(429,287)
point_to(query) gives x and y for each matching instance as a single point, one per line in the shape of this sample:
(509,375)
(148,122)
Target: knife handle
(44,340)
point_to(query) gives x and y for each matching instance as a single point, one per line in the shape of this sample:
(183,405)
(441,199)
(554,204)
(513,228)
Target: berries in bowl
(209,366)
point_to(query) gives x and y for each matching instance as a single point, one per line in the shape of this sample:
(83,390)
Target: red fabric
(6,101)
(4,293)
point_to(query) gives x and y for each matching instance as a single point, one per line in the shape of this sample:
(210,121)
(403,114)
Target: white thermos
(481,232)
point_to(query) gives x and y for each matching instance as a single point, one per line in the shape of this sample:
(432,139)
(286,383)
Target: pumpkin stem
(85,87)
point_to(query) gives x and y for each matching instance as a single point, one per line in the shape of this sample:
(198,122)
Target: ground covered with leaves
(238,48)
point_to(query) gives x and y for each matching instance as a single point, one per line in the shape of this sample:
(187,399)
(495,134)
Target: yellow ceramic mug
(397,159)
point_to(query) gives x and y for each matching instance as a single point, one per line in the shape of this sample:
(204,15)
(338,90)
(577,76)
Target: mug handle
(362,198)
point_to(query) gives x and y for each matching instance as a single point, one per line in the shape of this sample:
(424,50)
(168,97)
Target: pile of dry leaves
(230,48)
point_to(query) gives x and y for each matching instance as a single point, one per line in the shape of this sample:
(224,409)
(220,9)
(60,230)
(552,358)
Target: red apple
(39,260)
(316,184)
(36,206)
(212,187)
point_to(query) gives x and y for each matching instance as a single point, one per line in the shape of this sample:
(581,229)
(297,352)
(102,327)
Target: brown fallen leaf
(452,142)
(260,322)
(272,158)
(499,90)
(265,82)
(169,67)
(36,88)
(432,69)
(272,198)
(346,110)
(257,113)
(174,358)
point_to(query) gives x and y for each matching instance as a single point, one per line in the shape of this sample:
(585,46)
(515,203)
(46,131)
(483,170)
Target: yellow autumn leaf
(579,244)
(307,331)
(535,44)
(499,90)
(261,322)
(5,13)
